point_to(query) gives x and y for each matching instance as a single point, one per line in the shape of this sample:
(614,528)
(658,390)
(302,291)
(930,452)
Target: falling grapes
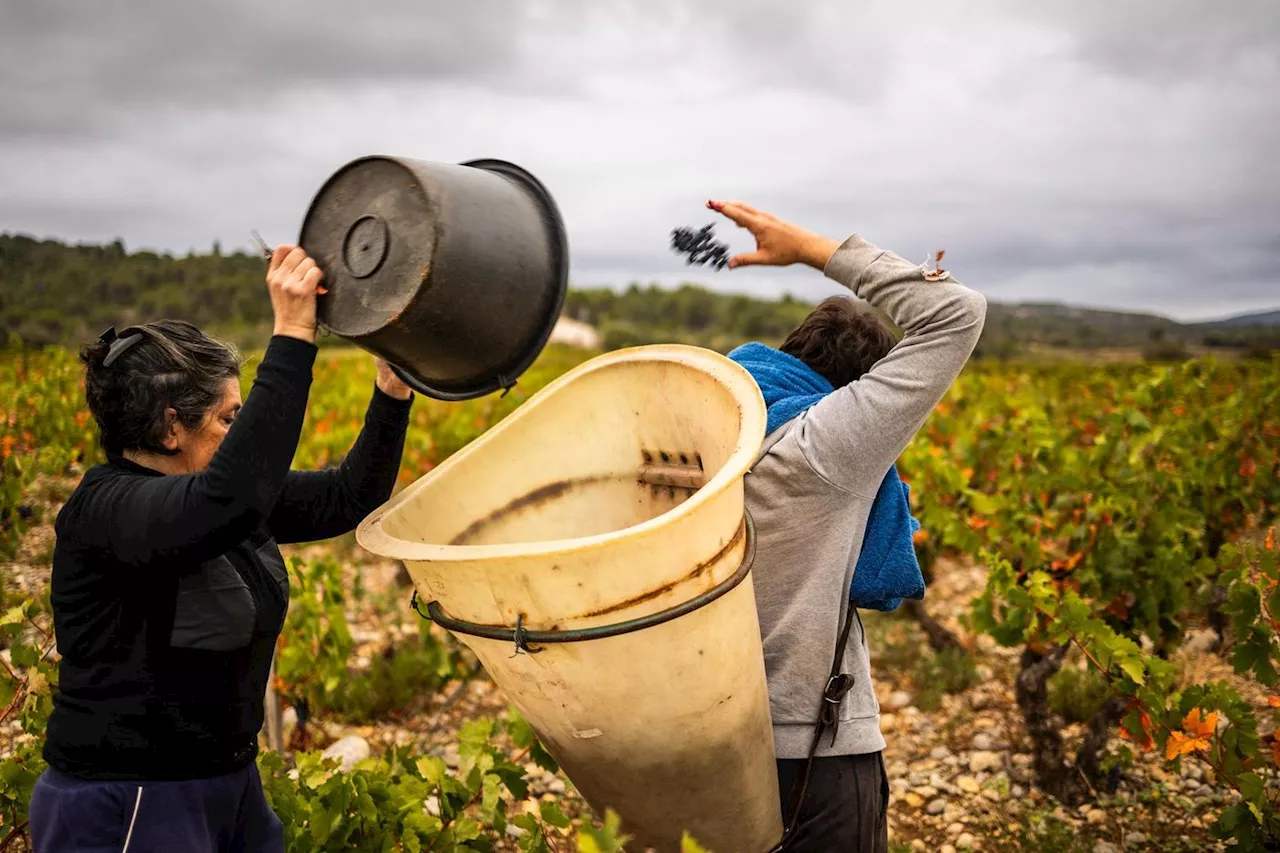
(700,246)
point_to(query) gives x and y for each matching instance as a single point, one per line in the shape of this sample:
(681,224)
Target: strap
(528,641)
(838,685)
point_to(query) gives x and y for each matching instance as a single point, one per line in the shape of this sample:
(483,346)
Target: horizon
(251,251)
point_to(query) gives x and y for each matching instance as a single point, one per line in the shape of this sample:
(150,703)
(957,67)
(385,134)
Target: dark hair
(174,365)
(839,341)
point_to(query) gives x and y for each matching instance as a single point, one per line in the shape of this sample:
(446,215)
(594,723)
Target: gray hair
(169,364)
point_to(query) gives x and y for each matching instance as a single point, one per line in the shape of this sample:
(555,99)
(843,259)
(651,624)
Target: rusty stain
(391,321)
(540,495)
(698,570)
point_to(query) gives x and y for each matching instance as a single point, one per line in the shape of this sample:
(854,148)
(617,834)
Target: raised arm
(190,517)
(854,435)
(195,517)
(318,505)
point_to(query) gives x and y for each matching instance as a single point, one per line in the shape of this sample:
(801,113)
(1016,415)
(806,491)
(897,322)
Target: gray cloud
(1169,41)
(1105,154)
(84,65)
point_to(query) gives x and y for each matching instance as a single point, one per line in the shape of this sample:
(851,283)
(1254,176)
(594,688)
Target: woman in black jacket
(168,588)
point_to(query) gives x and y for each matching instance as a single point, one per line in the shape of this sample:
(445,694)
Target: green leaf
(552,814)
(431,768)
(315,776)
(522,734)
(532,841)
(1247,654)
(423,823)
(368,810)
(981,503)
(1250,786)
(543,758)
(527,822)
(491,799)
(466,829)
(23,655)
(321,825)
(512,776)
(476,733)
(1229,818)
(605,839)
(1135,670)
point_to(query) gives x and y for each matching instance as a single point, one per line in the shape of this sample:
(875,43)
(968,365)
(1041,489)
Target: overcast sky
(1122,153)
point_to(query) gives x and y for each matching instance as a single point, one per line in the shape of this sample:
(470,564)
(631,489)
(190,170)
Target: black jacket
(169,592)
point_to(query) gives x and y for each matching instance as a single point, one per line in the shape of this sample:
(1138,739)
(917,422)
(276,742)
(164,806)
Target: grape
(700,246)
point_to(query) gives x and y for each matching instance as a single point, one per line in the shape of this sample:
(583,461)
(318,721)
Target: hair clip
(118,344)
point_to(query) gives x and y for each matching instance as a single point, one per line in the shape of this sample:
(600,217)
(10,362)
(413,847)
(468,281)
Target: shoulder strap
(838,684)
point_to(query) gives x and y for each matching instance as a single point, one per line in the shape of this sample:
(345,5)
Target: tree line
(55,293)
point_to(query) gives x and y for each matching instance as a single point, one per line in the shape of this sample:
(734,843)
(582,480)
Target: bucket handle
(524,639)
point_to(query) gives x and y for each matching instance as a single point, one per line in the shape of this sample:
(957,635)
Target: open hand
(778,243)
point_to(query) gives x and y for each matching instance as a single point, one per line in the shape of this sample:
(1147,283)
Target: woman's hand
(778,243)
(389,383)
(292,281)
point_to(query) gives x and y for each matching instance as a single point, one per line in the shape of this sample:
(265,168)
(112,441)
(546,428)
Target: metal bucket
(455,274)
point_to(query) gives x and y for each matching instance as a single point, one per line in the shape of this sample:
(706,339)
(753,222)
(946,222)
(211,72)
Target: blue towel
(887,569)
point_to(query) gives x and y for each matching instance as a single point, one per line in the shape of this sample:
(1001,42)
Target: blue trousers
(225,814)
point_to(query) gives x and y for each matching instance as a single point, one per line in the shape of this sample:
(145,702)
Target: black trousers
(846,808)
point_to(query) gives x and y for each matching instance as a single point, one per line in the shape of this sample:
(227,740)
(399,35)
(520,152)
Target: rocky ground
(958,755)
(961,772)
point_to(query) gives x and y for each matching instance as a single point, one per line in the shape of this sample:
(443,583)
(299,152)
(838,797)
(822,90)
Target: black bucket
(455,274)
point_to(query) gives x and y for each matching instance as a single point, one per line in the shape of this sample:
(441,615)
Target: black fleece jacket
(169,592)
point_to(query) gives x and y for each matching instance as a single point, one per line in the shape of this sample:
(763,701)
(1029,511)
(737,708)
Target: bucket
(455,274)
(593,550)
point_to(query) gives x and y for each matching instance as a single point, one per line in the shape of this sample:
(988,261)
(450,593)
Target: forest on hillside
(54,293)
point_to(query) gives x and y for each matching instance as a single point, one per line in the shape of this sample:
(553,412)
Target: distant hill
(1012,326)
(1056,324)
(55,293)
(1258,318)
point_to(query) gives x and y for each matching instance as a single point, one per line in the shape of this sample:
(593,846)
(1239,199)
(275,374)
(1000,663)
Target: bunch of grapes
(700,247)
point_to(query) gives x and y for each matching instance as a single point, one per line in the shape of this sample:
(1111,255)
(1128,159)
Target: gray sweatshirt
(811,491)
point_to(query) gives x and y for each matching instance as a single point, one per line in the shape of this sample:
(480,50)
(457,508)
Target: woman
(168,588)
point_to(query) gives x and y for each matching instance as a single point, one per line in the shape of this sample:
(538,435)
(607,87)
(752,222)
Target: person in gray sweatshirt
(810,494)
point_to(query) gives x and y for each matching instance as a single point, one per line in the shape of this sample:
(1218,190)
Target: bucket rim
(751,434)
(506,378)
